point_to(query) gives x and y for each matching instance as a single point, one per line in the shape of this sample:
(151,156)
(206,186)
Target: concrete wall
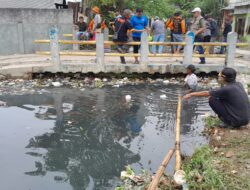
(20,27)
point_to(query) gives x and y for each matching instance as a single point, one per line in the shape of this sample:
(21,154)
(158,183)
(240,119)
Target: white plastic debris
(163,97)
(3,104)
(116,86)
(124,175)
(166,82)
(97,79)
(128,98)
(179,177)
(56,84)
(104,80)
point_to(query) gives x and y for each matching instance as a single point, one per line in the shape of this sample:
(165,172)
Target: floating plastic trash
(128,98)
(104,80)
(179,177)
(56,84)
(3,104)
(163,97)
(166,82)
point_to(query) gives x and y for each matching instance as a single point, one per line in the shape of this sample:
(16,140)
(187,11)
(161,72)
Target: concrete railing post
(100,49)
(107,48)
(144,48)
(231,49)
(54,46)
(188,50)
(75,30)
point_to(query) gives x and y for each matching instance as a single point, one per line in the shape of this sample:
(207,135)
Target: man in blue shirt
(139,22)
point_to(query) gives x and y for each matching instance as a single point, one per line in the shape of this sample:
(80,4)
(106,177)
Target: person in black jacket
(122,27)
(230,102)
(227,29)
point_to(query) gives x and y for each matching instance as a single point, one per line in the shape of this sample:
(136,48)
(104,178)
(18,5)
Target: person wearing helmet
(191,81)
(230,102)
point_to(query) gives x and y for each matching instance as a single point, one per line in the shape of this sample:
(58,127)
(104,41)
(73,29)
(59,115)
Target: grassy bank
(224,163)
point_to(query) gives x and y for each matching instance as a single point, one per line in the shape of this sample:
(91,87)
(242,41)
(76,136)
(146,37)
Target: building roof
(234,4)
(35,4)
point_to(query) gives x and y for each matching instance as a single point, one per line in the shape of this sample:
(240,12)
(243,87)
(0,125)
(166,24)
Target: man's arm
(201,30)
(197,94)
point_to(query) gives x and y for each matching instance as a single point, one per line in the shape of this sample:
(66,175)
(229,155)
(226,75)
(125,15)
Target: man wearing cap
(158,30)
(230,102)
(139,22)
(198,27)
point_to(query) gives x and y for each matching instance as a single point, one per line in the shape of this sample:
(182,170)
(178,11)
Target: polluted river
(61,137)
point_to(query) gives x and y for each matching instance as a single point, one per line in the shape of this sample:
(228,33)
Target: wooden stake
(161,170)
(177,136)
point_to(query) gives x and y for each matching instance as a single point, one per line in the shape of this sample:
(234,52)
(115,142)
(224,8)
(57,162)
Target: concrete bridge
(74,61)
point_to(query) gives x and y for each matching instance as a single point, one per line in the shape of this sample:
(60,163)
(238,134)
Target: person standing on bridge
(227,27)
(177,24)
(158,31)
(122,27)
(139,22)
(230,102)
(97,20)
(198,27)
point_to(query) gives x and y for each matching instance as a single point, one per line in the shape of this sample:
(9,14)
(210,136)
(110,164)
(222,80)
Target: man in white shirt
(191,81)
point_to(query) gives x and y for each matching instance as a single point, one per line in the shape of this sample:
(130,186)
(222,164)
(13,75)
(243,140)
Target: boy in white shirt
(191,81)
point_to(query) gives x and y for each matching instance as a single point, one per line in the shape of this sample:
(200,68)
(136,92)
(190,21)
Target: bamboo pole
(153,185)
(177,136)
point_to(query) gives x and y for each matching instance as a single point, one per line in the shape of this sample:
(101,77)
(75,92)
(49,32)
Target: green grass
(214,170)
(212,122)
(200,173)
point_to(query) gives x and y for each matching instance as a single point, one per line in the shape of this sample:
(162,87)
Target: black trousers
(136,47)
(219,108)
(207,38)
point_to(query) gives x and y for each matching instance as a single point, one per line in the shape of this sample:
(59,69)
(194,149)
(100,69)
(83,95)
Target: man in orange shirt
(178,28)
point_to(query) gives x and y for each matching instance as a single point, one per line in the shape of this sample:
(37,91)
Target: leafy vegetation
(163,8)
(211,122)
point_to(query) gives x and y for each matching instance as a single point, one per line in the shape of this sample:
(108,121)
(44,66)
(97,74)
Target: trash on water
(104,80)
(179,177)
(56,84)
(97,79)
(128,98)
(163,97)
(166,82)
(3,104)
(129,173)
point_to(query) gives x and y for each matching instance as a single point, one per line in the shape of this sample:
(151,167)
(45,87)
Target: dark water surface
(70,139)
